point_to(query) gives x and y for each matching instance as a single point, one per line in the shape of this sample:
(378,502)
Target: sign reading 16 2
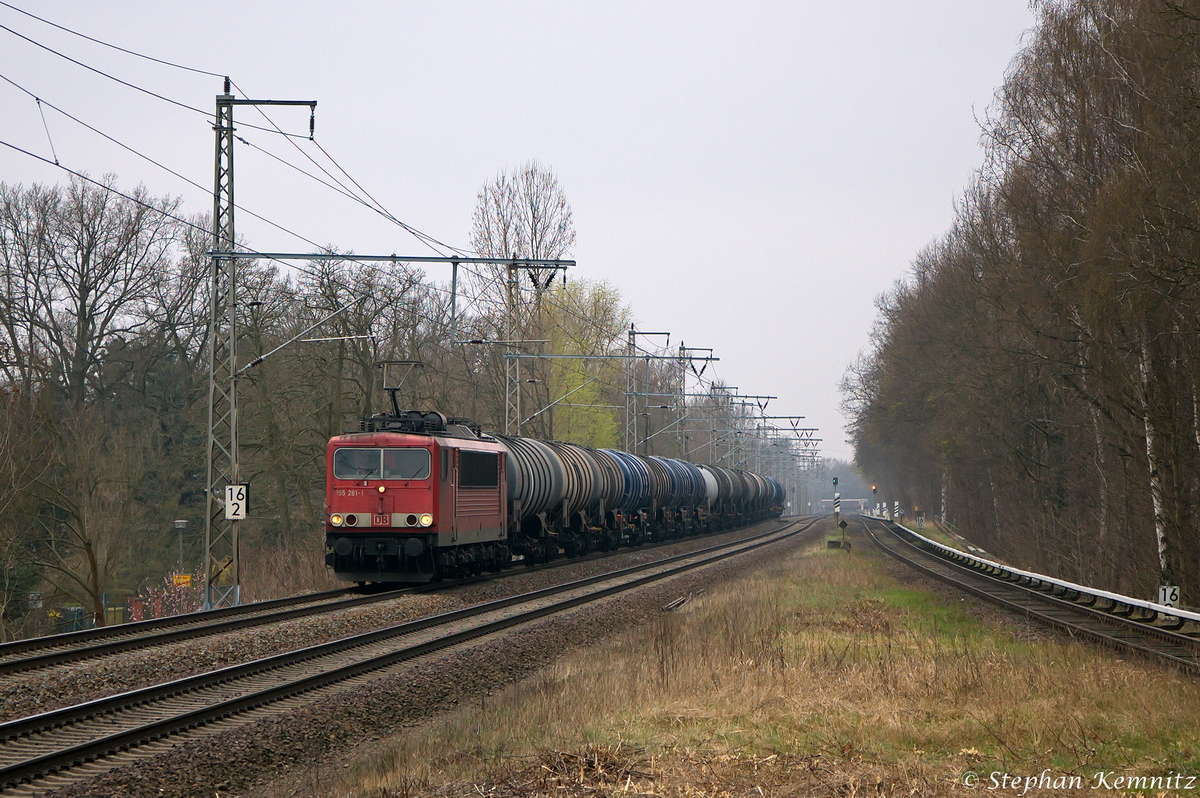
(237,502)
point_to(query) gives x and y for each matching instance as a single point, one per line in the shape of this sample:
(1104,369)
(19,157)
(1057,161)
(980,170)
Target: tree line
(1035,379)
(104,325)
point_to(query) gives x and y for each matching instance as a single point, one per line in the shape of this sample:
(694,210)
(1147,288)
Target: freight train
(416,497)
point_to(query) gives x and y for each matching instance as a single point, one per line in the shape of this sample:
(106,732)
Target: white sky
(750,176)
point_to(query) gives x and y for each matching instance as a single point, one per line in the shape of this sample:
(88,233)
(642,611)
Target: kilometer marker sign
(237,502)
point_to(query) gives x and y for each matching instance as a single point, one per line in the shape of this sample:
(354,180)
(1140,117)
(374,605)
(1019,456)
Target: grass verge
(820,675)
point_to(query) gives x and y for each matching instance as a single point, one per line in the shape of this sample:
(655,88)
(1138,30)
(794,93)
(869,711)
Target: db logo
(378,519)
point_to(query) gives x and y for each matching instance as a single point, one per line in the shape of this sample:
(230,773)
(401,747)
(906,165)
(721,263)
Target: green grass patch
(821,667)
(934,533)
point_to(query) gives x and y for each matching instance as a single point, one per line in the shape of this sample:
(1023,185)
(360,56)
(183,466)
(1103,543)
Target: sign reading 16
(237,502)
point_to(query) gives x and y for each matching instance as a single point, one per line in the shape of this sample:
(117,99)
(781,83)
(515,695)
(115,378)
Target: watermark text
(999,781)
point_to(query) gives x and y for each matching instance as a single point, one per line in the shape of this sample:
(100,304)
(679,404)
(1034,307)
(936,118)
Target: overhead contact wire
(181,220)
(103,73)
(374,204)
(107,44)
(428,240)
(134,86)
(144,157)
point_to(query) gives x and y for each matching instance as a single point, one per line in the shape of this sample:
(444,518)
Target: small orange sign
(182,579)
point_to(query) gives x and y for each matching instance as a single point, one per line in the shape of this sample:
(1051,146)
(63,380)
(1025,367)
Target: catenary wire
(373,204)
(428,240)
(103,73)
(107,44)
(166,168)
(418,233)
(171,172)
(135,87)
(187,222)
(145,157)
(190,224)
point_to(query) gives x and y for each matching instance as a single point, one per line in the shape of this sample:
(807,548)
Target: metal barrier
(1147,612)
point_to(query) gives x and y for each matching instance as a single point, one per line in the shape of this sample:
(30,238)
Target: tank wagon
(417,496)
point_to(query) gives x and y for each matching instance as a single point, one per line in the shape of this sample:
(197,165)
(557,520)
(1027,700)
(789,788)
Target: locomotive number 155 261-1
(349,492)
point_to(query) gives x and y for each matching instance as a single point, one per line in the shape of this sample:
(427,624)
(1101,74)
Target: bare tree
(523,215)
(1044,352)
(520,215)
(22,464)
(87,502)
(81,264)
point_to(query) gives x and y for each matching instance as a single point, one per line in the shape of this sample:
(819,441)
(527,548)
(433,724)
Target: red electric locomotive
(414,496)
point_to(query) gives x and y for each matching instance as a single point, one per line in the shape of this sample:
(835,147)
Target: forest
(1034,379)
(104,333)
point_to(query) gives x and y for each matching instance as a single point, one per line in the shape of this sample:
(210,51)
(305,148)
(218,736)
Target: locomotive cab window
(405,463)
(478,469)
(359,463)
(356,464)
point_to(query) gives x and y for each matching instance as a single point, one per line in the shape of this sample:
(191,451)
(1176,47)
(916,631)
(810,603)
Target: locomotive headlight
(336,519)
(426,519)
(382,488)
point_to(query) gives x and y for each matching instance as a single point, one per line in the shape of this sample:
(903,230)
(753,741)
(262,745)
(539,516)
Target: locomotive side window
(405,463)
(356,464)
(478,469)
(360,463)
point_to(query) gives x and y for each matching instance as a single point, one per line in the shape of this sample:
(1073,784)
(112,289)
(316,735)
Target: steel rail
(51,718)
(203,626)
(1156,616)
(116,630)
(1111,630)
(78,646)
(102,710)
(1125,606)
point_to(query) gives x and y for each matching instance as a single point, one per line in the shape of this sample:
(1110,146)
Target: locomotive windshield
(357,463)
(405,463)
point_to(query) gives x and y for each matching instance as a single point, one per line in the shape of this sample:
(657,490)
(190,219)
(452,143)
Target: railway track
(37,752)
(43,652)
(1068,611)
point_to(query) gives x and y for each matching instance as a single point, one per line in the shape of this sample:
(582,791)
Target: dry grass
(935,533)
(821,676)
(279,571)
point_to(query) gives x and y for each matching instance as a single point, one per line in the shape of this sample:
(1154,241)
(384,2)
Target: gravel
(33,692)
(306,744)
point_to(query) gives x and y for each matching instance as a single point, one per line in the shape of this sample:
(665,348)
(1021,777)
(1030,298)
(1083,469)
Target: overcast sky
(750,176)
